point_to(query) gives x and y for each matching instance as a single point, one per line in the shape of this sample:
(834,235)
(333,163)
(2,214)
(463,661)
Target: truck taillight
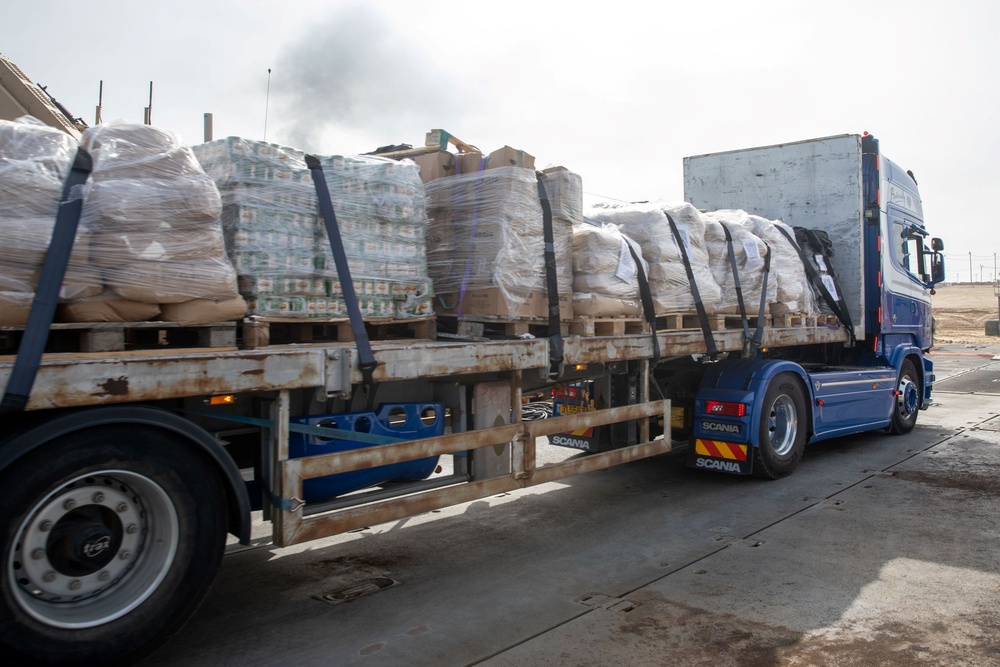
(725,408)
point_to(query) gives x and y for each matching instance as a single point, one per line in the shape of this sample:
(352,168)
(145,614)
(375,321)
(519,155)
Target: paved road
(878,550)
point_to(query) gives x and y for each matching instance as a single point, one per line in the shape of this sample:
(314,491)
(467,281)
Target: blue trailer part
(392,421)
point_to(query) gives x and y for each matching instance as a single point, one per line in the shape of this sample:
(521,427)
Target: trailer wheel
(112,536)
(782,434)
(907,404)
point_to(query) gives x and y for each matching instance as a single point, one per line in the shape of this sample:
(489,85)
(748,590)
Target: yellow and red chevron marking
(720,450)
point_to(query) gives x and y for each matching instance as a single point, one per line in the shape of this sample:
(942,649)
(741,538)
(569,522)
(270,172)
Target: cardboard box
(468,163)
(487,302)
(510,157)
(540,301)
(490,302)
(435,165)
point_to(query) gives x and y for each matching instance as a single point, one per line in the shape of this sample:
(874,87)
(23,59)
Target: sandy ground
(961,311)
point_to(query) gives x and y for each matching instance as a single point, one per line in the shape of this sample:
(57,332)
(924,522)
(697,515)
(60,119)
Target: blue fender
(746,381)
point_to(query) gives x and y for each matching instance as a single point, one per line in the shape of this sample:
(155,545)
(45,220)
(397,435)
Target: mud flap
(719,456)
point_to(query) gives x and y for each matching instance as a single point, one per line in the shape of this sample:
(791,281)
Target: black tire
(782,434)
(112,536)
(907,403)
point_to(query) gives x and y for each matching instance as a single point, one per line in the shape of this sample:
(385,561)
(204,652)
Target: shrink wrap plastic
(486,232)
(154,217)
(605,277)
(277,239)
(794,292)
(749,251)
(35,160)
(647,225)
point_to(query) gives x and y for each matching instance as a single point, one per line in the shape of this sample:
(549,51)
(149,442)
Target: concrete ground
(879,550)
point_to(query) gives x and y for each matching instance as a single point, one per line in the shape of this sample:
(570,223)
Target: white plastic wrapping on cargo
(750,253)
(35,160)
(646,223)
(486,233)
(277,239)
(794,292)
(153,213)
(605,276)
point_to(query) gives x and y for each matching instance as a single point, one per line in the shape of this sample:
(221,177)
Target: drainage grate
(355,591)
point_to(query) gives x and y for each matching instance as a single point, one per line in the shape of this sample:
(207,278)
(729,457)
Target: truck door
(906,271)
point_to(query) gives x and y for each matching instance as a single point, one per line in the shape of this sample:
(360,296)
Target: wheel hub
(84,540)
(908,396)
(81,540)
(782,425)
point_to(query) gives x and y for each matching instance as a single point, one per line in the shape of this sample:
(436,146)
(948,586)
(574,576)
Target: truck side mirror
(937,267)
(937,245)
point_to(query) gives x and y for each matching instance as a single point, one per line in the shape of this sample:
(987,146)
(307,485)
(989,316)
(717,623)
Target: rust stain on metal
(322,525)
(114,387)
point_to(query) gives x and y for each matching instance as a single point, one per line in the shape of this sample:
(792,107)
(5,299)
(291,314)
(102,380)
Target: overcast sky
(619,92)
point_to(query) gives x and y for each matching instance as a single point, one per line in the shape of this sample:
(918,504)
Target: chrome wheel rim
(94,549)
(782,425)
(907,397)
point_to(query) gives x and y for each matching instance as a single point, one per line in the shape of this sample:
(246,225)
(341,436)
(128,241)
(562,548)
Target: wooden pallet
(260,332)
(791,320)
(478,327)
(607,326)
(119,336)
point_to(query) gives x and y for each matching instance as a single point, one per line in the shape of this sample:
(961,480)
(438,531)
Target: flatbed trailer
(127,469)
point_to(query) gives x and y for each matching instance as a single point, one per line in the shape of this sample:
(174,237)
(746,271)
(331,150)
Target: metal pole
(267,99)
(970,268)
(208,127)
(100,103)
(148,116)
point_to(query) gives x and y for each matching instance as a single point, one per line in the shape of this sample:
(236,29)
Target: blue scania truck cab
(755,413)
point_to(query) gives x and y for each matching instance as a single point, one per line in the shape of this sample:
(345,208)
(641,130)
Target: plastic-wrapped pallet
(485,235)
(155,221)
(382,215)
(605,277)
(749,251)
(35,160)
(277,239)
(647,225)
(564,190)
(794,293)
(270,218)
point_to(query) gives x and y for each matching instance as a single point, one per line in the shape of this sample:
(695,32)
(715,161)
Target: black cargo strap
(551,282)
(736,281)
(646,296)
(816,280)
(366,359)
(43,308)
(710,349)
(753,345)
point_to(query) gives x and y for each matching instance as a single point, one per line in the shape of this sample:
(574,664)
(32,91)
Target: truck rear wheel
(907,404)
(782,434)
(112,537)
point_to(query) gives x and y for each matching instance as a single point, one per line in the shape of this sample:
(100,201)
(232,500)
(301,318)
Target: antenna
(100,103)
(148,116)
(267,99)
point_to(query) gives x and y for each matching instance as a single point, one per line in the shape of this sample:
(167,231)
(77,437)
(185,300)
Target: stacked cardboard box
(278,242)
(485,243)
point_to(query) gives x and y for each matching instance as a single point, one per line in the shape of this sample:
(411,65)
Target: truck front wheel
(782,435)
(907,403)
(112,536)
